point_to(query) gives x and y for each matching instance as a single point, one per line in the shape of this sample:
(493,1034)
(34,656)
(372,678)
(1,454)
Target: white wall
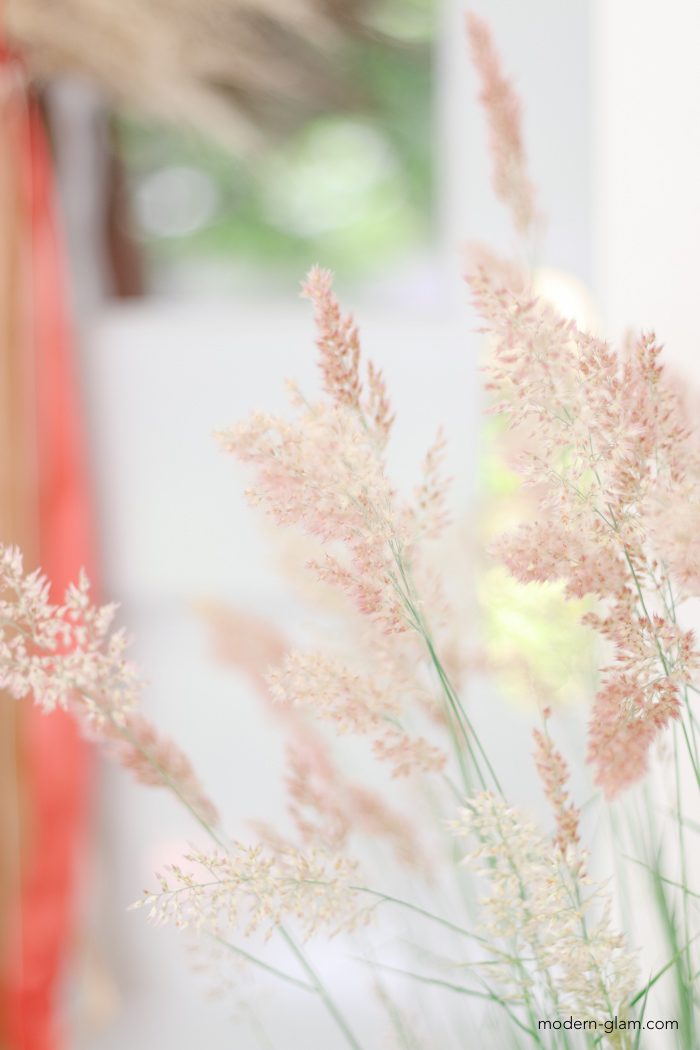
(647,170)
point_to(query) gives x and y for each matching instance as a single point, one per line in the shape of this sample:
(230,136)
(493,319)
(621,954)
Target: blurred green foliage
(350,189)
(538,649)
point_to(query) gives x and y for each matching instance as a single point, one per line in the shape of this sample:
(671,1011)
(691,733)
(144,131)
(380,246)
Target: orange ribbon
(56,524)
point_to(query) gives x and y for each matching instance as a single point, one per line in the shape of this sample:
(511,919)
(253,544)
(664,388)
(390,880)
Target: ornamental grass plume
(67,656)
(60,654)
(354,704)
(338,342)
(554,773)
(325,472)
(605,441)
(511,181)
(156,760)
(257,888)
(327,807)
(550,932)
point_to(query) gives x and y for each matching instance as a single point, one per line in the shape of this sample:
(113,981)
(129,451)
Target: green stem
(454,705)
(461,990)
(387,898)
(265,966)
(318,984)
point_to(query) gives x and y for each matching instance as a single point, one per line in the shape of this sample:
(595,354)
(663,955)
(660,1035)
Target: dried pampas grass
(239,69)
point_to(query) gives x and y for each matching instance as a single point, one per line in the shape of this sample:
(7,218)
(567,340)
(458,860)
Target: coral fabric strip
(53,760)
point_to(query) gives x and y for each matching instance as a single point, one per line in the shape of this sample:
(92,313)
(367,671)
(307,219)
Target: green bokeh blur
(350,189)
